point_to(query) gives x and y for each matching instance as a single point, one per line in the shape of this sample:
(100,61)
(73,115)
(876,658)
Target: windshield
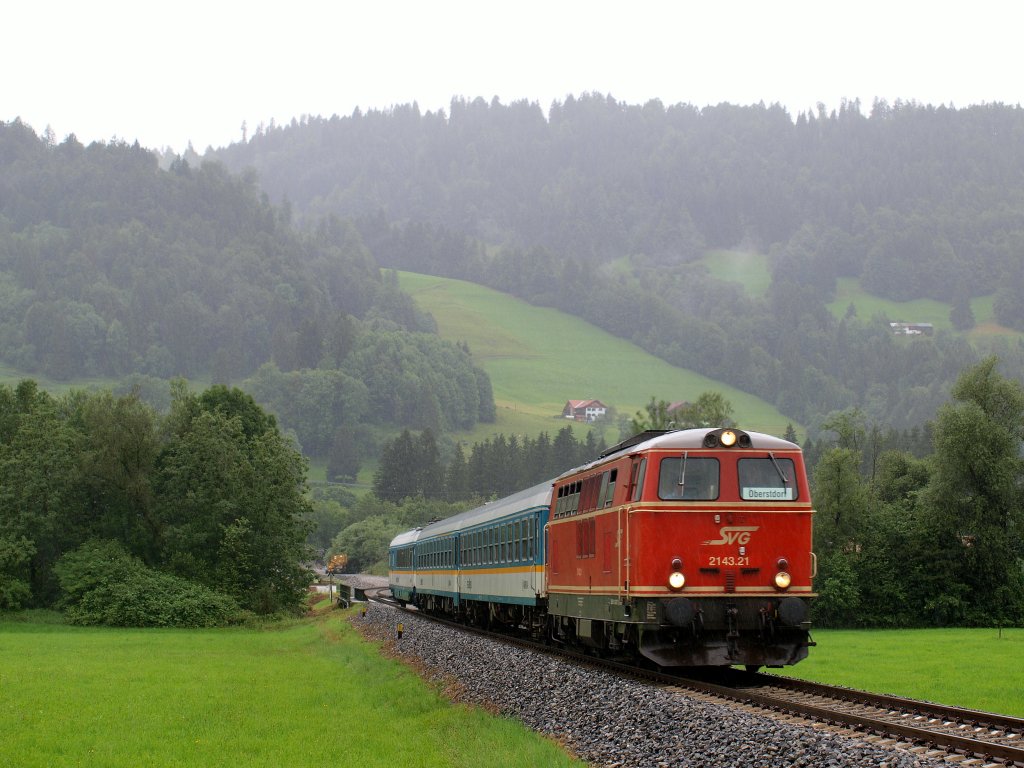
(767,479)
(688,477)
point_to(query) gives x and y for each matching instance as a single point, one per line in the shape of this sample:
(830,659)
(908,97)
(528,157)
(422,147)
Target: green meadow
(750,271)
(747,268)
(313,692)
(973,668)
(307,693)
(538,358)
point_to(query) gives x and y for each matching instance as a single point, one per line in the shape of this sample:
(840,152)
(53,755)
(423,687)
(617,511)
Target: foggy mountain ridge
(603,209)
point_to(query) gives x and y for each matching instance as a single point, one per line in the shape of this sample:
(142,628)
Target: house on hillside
(584,410)
(911,329)
(677,405)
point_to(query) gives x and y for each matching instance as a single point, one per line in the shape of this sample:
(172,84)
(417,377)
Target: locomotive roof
(681,440)
(531,498)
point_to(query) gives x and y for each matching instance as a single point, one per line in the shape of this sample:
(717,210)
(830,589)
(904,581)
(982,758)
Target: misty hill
(110,266)
(604,210)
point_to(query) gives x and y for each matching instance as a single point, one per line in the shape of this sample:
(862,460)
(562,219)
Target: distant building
(677,405)
(912,329)
(584,410)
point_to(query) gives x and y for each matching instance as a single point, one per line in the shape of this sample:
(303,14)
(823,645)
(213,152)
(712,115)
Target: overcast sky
(169,73)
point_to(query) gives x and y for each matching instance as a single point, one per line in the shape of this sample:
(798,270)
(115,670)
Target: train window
(636,481)
(604,489)
(588,496)
(516,555)
(607,488)
(689,478)
(767,479)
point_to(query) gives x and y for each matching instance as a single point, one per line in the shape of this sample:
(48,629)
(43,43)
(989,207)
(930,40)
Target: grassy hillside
(747,268)
(848,291)
(538,358)
(750,270)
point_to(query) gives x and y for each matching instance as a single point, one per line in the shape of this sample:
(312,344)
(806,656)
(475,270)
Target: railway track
(968,737)
(980,738)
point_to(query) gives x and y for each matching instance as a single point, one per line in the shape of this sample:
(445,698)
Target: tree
(654,416)
(395,477)
(40,490)
(233,502)
(710,409)
(365,542)
(973,495)
(344,458)
(960,314)
(842,500)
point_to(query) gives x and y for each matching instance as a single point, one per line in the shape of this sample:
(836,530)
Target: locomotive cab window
(767,479)
(691,478)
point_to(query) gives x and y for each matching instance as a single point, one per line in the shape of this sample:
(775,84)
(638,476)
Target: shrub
(104,585)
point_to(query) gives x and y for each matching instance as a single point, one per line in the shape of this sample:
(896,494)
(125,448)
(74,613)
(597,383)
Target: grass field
(311,693)
(973,668)
(538,358)
(848,291)
(747,268)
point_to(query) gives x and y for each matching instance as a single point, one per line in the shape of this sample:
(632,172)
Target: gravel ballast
(610,721)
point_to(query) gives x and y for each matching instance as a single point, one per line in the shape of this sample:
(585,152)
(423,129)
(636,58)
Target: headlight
(783,580)
(676,581)
(728,438)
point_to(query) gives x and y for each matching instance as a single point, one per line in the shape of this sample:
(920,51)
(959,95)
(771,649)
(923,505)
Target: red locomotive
(689,548)
(692,548)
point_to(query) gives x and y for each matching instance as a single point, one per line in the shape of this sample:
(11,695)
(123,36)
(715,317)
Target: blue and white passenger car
(485,565)
(401,574)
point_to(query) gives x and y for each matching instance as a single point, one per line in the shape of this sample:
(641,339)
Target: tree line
(904,540)
(121,516)
(412,466)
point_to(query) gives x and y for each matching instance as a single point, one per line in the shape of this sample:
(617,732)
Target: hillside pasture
(747,268)
(848,291)
(538,358)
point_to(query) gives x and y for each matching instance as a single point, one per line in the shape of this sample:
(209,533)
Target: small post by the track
(399,630)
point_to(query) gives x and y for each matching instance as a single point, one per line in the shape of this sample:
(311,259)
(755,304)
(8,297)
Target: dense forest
(121,516)
(601,209)
(110,267)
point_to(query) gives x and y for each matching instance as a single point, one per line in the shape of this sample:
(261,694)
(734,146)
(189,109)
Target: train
(674,548)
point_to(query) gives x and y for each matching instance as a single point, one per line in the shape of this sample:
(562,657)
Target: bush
(104,585)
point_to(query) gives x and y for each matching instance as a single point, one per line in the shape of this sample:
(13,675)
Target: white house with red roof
(584,410)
